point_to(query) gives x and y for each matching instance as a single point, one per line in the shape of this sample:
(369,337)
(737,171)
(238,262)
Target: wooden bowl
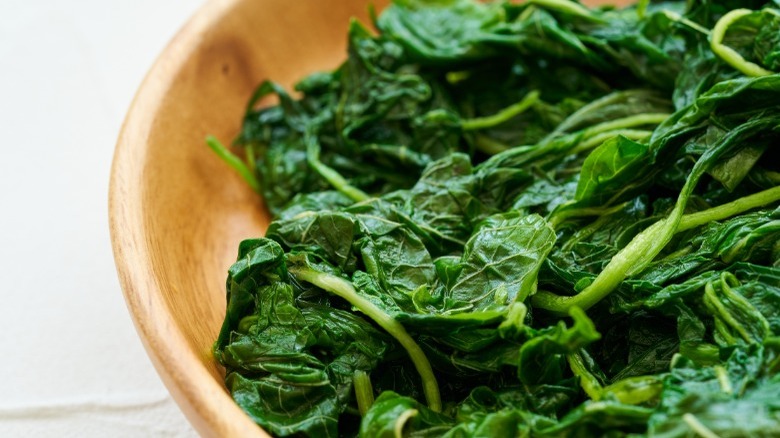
(177,213)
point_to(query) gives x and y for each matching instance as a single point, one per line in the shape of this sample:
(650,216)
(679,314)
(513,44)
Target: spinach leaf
(609,169)
(501,261)
(719,398)
(291,368)
(446,31)
(392,413)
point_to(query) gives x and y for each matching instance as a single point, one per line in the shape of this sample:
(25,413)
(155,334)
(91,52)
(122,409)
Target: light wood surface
(177,213)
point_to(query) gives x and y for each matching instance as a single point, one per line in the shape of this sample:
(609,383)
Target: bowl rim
(205,403)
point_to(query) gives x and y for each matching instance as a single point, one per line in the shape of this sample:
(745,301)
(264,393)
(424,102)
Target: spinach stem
(364,392)
(555,220)
(344,289)
(723,379)
(331,176)
(502,116)
(720,311)
(726,53)
(514,321)
(527,12)
(674,16)
(566,7)
(724,211)
(250,156)
(598,139)
(763,177)
(588,381)
(698,427)
(612,274)
(635,390)
(625,122)
(604,216)
(489,146)
(645,242)
(577,117)
(400,421)
(575,140)
(742,302)
(233,161)
(641,8)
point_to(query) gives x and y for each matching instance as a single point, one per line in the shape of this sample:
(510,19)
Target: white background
(72,364)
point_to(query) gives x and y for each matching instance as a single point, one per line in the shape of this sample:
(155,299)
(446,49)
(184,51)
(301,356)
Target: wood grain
(176,213)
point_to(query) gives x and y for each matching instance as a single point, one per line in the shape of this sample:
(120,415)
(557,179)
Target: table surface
(68,72)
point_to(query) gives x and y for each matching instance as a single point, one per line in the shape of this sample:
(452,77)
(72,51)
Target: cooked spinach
(518,219)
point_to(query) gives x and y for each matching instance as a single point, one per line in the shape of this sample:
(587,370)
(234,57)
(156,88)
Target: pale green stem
(588,381)
(502,116)
(693,220)
(698,427)
(711,298)
(723,379)
(625,122)
(566,7)
(674,16)
(527,12)
(572,140)
(726,53)
(725,279)
(233,161)
(454,77)
(513,322)
(556,219)
(586,231)
(364,392)
(250,157)
(344,289)
(596,134)
(489,146)
(612,274)
(331,176)
(641,8)
(645,242)
(400,422)
(596,140)
(576,117)
(635,390)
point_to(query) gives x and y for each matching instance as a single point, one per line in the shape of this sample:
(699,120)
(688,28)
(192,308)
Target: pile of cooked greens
(533,219)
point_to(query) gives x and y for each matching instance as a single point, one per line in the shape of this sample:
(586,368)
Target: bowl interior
(177,212)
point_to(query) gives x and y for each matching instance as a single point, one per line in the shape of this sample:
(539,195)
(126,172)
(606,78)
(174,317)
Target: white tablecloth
(72,364)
